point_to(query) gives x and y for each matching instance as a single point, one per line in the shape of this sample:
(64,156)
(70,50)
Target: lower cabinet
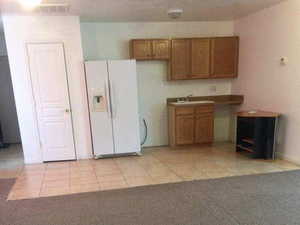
(185,130)
(190,125)
(204,128)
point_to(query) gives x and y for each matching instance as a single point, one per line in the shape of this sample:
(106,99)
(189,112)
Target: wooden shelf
(245,148)
(248,140)
(258,113)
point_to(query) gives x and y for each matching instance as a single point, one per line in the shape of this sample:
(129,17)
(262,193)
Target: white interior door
(124,102)
(50,89)
(99,107)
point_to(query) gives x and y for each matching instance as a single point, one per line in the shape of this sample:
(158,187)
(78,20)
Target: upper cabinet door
(224,57)
(141,49)
(200,58)
(161,49)
(180,63)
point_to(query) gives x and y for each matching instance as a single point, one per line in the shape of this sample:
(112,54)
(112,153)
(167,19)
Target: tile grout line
(145,171)
(148,175)
(94,171)
(123,175)
(45,168)
(152,178)
(169,168)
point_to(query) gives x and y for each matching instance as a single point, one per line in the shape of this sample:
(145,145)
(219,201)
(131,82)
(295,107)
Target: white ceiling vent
(61,8)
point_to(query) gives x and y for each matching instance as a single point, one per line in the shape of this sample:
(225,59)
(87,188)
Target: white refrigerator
(113,106)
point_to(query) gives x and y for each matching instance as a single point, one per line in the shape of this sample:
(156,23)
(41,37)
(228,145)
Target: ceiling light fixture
(30,3)
(175,13)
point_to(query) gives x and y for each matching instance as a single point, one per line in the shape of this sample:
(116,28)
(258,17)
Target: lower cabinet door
(185,130)
(204,128)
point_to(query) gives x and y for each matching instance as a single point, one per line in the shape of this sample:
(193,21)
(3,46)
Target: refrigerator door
(99,107)
(124,104)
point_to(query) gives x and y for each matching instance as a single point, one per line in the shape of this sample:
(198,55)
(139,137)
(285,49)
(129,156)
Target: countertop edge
(218,100)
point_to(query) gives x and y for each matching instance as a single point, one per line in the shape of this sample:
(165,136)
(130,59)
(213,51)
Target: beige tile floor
(156,166)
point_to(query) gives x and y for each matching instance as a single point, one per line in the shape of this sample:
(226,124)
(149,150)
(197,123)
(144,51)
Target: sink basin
(192,102)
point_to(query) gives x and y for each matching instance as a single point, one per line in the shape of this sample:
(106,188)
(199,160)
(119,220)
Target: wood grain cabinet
(224,57)
(141,49)
(190,125)
(150,49)
(180,59)
(204,58)
(185,129)
(191,58)
(204,128)
(200,58)
(161,49)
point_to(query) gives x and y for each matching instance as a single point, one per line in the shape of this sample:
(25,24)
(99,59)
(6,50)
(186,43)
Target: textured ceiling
(155,10)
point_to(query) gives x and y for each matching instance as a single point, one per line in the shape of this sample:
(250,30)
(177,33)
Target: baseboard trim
(287,158)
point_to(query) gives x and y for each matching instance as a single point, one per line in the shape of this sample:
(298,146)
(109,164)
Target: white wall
(265,37)
(111,41)
(20,30)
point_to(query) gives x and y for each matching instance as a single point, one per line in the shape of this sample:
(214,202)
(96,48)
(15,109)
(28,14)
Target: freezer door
(99,107)
(124,104)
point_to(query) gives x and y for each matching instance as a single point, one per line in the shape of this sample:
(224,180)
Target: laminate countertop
(217,100)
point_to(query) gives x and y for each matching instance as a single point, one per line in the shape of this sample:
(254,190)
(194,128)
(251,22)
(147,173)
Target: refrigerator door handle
(107,97)
(112,99)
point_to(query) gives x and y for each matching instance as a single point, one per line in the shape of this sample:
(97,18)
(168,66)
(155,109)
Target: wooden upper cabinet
(149,49)
(191,58)
(161,49)
(200,58)
(180,59)
(141,49)
(224,57)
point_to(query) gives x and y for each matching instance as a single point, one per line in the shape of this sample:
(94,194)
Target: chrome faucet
(184,99)
(187,98)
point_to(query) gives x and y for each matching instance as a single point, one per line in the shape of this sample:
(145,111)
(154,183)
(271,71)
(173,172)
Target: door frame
(33,95)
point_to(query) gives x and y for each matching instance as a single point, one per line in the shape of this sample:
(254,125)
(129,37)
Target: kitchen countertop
(218,100)
(257,113)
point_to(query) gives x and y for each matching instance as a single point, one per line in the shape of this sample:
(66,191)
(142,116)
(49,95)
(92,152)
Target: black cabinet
(257,136)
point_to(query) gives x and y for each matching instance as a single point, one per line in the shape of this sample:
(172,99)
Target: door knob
(67,110)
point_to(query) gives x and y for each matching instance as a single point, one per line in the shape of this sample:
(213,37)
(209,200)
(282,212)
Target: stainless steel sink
(192,102)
